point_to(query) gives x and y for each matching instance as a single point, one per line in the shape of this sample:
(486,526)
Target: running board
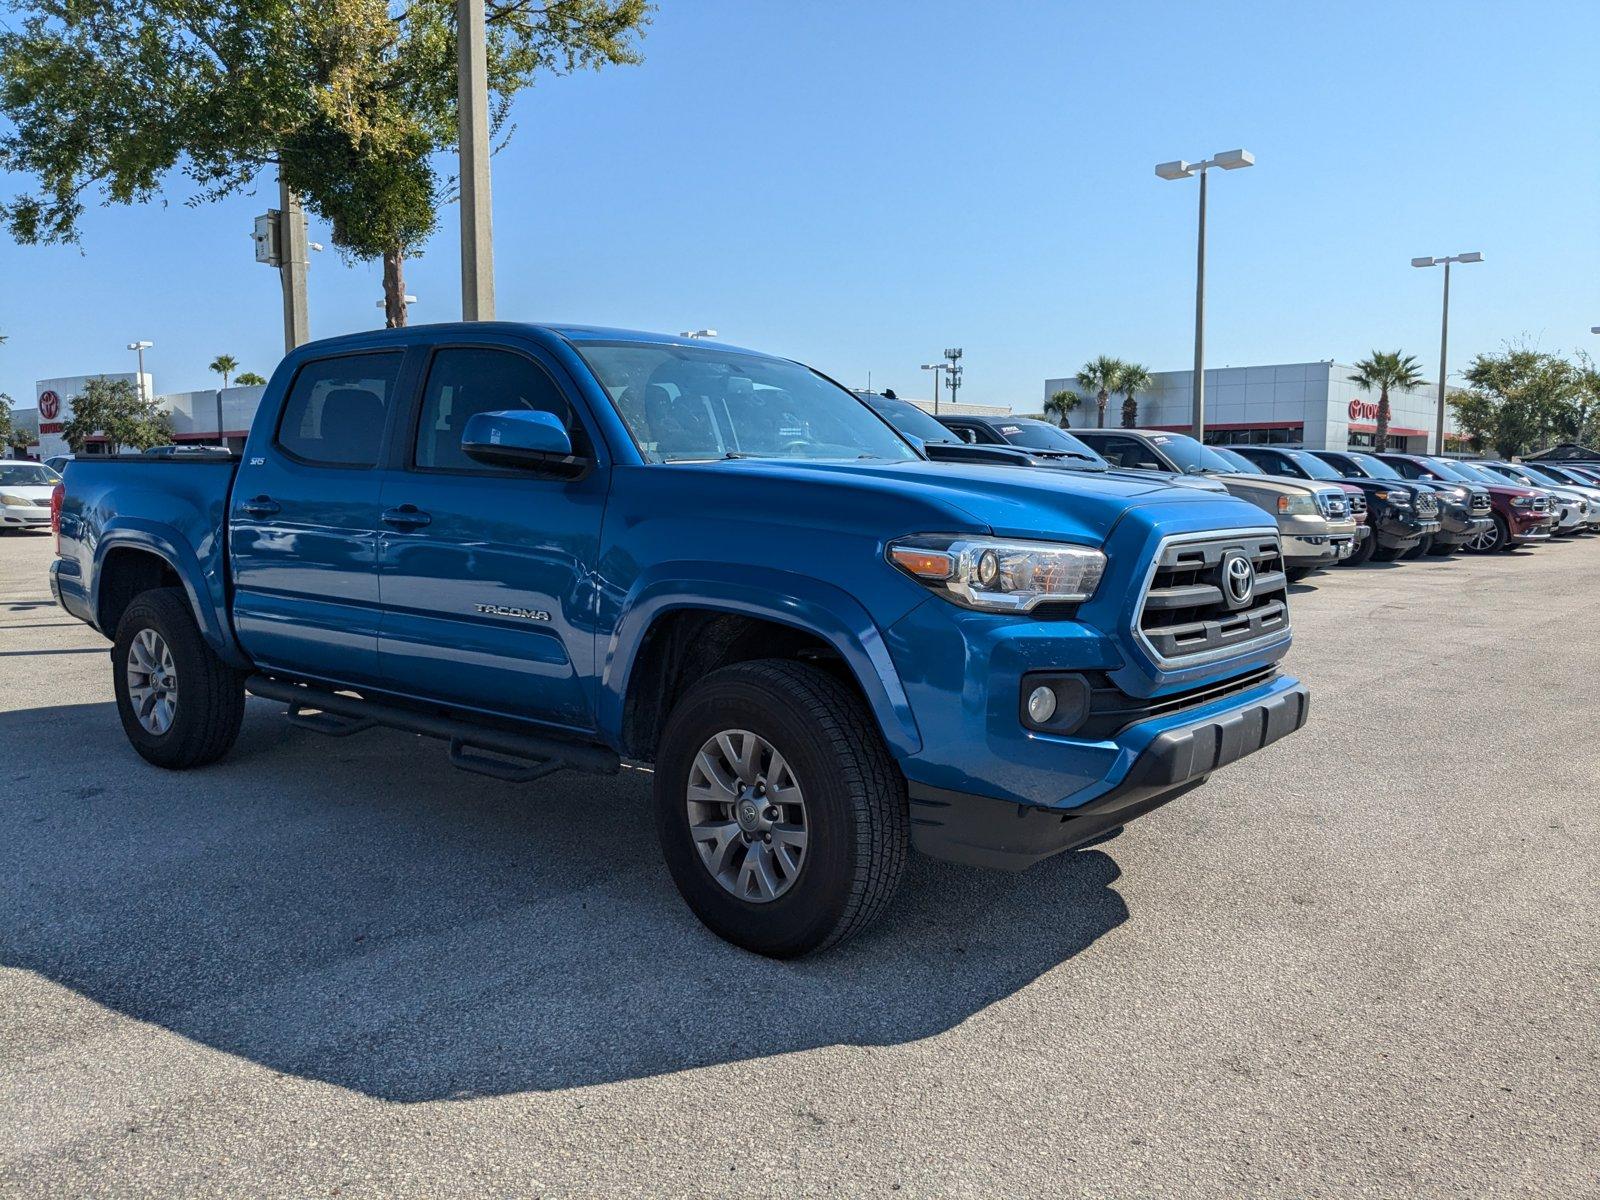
(521,757)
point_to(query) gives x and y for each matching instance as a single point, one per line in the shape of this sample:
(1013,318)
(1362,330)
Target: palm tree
(224,365)
(1131,380)
(249,379)
(1099,375)
(1060,404)
(1385,370)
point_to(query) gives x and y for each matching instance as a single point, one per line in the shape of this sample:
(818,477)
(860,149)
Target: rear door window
(337,408)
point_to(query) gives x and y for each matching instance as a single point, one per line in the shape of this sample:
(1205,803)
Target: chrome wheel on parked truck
(1491,539)
(781,813)
(152,681)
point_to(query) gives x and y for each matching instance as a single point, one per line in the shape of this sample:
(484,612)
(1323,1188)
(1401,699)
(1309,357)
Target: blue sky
(860,184)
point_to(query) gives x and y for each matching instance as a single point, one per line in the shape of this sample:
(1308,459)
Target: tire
(1363,552)
(1498,538)
(1385,554)
(854,811)
(207,697)
(1296,574)
(1425,546)
(1443,549)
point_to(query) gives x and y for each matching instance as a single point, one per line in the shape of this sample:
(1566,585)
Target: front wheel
(1496,537)
(181,706)
(1362,553)
(1424,546)
(781,814)
(1443,549)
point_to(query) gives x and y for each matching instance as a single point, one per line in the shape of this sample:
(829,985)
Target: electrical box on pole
(266,238)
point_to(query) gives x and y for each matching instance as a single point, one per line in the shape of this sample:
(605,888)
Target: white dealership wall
(194,414)
(1312,402)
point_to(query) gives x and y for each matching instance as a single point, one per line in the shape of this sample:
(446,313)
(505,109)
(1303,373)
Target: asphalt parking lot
(1364,962)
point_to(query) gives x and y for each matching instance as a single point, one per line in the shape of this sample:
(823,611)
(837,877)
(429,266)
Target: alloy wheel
(152,682)
(747,815)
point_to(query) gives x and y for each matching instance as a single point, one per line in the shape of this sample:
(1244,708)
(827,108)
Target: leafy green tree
(1386,370)
(115,408)
(350,101)
(1522,399)
(1060,405)
(224,365)
(1131,380)
(1100,375)
(249,379)
(8,430)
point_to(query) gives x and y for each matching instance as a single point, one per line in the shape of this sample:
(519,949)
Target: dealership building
(1310,404)
(211,415)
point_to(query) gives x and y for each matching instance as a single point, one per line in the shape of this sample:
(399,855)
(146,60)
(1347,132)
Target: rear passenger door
(303,523)
(488,601)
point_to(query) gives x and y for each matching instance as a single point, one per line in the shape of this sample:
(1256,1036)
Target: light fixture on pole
(408,300)
(1228,160)
(936,368)
(140,348)
(698,333)
(1444,330)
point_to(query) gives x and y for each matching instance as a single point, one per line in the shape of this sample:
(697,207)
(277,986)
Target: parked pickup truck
(1313,519)
(558,547)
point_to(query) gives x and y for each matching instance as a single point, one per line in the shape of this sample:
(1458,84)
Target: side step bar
(338,715)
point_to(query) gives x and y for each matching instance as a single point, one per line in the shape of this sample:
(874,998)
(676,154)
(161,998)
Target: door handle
(261,506)
(407,516)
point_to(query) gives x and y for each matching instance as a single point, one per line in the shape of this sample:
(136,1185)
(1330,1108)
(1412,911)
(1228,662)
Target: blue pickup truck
(567,548)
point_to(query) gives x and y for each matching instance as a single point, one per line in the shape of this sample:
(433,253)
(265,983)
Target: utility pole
(1444,330)
(936,368)
(292,267)
(954,371)
(472,114)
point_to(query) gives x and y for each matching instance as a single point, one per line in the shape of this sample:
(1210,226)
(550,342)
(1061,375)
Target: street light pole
(935,368)
(292,267)
(1444,332)
(1228,160)
(140,348)
(472,114)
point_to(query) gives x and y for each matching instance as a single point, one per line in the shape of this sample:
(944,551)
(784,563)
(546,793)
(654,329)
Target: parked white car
(25,489)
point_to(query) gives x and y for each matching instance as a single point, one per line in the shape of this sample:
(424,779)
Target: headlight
(1296,504)
(1461,494)
(17,501)
(1399,497)
(999,575)
(1522,502)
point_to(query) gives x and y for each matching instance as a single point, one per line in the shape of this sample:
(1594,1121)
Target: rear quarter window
(337,408)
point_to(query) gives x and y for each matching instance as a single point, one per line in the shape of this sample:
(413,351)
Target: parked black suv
(1465,509)
(1400,516)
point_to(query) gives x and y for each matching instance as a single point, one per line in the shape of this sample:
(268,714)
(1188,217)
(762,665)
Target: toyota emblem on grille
(1238,579)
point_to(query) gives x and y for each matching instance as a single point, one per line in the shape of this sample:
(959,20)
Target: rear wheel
(181,706)
(1496,537)
(781,814)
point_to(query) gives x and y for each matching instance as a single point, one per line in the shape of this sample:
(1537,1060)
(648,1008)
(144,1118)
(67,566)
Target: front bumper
(19,516)
(1401,531)
(1318,550)
(982,831)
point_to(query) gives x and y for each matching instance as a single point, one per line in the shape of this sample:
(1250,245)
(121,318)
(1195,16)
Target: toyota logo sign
(1238,579)
(49,406)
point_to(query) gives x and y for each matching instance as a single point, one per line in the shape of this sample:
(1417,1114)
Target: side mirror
(527,439)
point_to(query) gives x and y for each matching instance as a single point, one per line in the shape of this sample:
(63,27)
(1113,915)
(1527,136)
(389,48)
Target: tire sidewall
(815,903)
(183,641)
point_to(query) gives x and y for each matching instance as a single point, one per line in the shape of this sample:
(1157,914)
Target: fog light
(1042,704)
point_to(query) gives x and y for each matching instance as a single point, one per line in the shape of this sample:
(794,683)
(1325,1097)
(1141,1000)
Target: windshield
(1477,474)
(1543,475)
(1451,470)
(1041,435)
(1237,461)
(1507,472)
(694,403)
(1376,468)
(1311,464)
(1193,458)
(908,418)
(27,475)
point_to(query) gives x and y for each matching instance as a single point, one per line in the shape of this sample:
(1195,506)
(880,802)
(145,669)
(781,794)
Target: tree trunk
(394,289)
(1380,439)
(1101,400)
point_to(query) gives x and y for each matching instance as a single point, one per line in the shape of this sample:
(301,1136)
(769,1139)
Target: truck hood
(1276,484)
(955,497)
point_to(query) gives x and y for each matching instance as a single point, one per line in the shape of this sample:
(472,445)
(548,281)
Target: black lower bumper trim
(984,832)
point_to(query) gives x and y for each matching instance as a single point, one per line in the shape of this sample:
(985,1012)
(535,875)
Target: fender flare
(206,593)
(786,598)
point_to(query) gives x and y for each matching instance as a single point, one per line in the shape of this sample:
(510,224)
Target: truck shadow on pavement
(356,912)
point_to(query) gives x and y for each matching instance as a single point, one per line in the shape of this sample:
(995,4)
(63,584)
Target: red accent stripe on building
(1228,425)
(1400,430)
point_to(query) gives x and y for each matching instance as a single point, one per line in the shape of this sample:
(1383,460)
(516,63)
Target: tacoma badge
(500,610)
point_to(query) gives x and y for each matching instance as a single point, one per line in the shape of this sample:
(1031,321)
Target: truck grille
(1358,503)
(1480,504)
(1541,504)
(1333,505)
(1192,608)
